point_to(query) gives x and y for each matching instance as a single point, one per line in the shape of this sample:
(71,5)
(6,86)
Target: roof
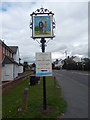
(13,48)
(0,41)
(77,59)
(4,45)
(20,64)
(8,60)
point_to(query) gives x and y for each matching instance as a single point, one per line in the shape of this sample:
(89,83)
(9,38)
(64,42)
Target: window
(3,50)
(8,53)
(11,55)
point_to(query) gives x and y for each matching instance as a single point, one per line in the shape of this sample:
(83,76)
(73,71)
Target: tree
(53,65)
(56,61)
(25,65)
(69,64)
(34,65)
(37,28)
(87,64)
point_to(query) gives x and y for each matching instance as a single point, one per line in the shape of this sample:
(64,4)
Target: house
(77,59)
(58,64)
(0,59)
(10,62)
(16,57)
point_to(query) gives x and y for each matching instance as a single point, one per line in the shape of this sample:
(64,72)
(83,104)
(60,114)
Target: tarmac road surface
(74,86)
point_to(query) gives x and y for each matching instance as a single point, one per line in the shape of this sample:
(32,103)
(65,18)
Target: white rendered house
(11,65)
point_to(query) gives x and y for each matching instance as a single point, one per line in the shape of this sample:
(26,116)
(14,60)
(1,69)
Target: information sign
(43,64)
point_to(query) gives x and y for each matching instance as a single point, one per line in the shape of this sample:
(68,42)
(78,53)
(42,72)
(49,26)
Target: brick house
(10,62)
(0,59)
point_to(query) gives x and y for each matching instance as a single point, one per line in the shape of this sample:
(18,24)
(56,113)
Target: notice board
(43,64)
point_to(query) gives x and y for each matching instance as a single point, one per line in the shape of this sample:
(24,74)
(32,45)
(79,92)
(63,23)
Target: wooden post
(54,82)
(25,100)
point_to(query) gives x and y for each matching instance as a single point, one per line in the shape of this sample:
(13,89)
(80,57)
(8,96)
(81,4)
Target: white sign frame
(43,64)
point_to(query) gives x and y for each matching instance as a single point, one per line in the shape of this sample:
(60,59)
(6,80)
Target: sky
(71,32)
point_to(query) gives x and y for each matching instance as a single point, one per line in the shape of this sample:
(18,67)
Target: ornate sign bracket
(42,12)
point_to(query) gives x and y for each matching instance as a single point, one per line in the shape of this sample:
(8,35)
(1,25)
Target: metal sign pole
(44,81)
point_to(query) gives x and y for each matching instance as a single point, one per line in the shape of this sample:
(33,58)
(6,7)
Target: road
(74,86)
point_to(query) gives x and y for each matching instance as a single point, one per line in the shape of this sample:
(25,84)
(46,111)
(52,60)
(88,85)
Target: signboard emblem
(42,26)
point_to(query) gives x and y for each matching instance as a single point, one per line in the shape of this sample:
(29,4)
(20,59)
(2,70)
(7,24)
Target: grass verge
(55,102)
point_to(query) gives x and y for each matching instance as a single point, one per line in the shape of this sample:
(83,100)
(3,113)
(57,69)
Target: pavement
(74,86)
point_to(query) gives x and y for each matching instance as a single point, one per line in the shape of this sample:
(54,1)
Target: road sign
(43,64)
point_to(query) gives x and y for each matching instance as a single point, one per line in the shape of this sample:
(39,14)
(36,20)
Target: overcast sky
(71,27)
